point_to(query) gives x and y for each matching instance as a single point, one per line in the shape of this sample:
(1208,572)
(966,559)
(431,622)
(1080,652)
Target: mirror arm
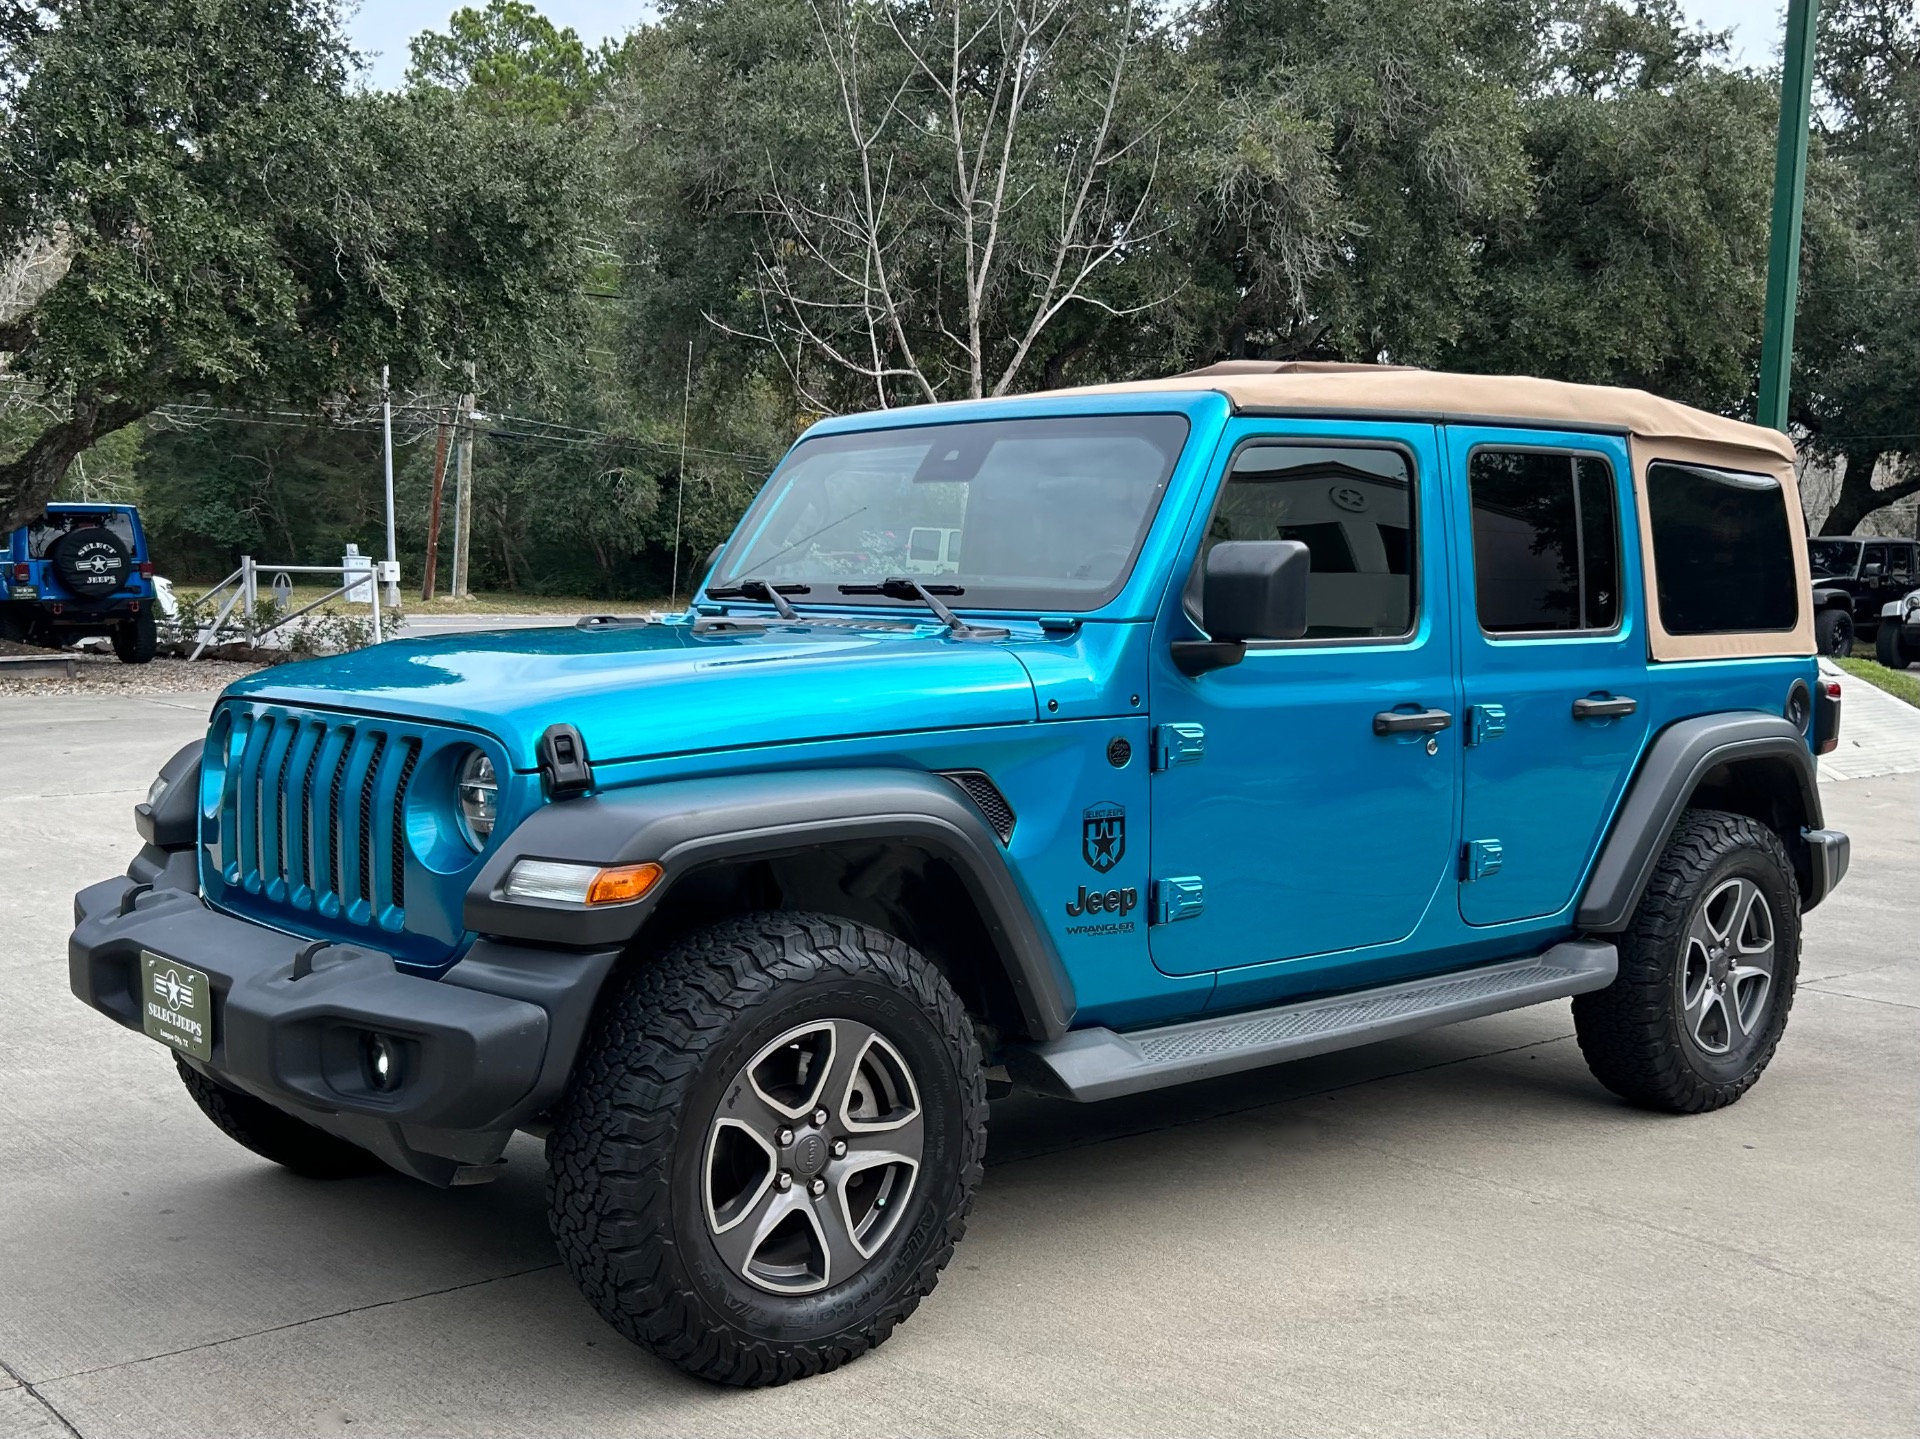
(1194,658)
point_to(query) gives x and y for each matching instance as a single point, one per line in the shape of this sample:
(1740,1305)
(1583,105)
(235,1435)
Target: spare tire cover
(92,561)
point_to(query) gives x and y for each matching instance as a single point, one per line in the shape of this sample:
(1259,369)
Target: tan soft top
(1306,387)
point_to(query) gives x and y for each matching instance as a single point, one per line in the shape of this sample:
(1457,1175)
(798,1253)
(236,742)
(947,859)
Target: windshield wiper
(774,595)
(901,587)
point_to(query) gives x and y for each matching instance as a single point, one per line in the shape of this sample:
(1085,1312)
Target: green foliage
(1856,381)
(752,212)
(509,58)
(235,224)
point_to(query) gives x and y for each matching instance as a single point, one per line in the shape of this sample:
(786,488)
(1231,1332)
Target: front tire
(274,1134)
(1707,971)
(1834,629)
(769,1147)
(1887,647)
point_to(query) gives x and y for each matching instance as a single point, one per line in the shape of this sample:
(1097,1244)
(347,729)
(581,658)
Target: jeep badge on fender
(1459,693)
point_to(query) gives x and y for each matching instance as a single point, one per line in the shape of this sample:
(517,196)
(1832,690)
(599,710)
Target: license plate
(177,1005)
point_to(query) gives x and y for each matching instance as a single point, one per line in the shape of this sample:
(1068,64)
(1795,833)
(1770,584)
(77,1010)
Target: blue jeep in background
(1263,711)
(79,570)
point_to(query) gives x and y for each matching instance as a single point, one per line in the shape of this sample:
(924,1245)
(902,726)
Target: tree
(1856,384)
(509,57)
(911,201)
(231,223)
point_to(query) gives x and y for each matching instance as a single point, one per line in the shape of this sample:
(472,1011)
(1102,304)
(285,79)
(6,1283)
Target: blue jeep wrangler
(1236,717)
(80,570)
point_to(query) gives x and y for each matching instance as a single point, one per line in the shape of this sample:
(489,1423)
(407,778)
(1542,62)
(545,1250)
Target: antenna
(680,485)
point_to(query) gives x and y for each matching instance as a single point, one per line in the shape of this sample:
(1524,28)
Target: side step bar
(1091,1064)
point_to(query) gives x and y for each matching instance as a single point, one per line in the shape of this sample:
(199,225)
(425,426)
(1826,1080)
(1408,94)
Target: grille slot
(400,824)
(977,786)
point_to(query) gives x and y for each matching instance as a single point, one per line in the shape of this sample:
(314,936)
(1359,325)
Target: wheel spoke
(841,1079)
(1747,989)
(1699,1007)
(880,1096)
(1725,903)
(726,1211)
(790,1075)
(868,1222)
(844,1254)
(740,1242)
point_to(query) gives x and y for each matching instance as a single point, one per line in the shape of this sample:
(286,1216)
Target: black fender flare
(1680,757)
(1825,598)
(685,824)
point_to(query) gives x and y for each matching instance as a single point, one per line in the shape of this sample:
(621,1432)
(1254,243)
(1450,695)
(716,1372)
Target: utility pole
(463,495)
(1789,202)
(433,509)
(386,432)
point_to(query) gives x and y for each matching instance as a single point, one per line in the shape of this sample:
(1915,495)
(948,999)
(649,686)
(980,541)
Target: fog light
(383,1062)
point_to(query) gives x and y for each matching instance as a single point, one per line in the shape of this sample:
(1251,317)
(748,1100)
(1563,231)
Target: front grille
(313,817)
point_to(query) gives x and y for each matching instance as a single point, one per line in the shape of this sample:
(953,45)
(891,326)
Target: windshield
(1833,559)
(1016,514)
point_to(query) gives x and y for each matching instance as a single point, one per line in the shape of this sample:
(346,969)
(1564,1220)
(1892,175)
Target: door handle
(1417,722)
(1609,708)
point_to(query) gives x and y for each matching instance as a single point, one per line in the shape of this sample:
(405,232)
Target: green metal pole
(1789,202)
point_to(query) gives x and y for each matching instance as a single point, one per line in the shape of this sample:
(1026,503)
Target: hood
(636,691)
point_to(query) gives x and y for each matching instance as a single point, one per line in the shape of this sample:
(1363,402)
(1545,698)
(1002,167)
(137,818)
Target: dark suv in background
(1852,578)
(79,570)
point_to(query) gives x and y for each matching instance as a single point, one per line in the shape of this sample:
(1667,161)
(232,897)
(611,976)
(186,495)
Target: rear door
(1552,657)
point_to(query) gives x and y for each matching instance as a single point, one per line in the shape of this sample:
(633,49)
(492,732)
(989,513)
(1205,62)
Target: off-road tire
(136,640)
(625,1153)
(1633,1033)
(274,1134)
(1888,649)
(1833,630)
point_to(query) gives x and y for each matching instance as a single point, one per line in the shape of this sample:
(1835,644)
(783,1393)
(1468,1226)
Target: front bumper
(485,1048)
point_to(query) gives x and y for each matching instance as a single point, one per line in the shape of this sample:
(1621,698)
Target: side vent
(986,797)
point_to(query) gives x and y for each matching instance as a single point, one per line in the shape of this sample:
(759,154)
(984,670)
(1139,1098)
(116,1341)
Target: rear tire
(720,1169)
(136,640)
(273,1133)
(1834,631)
(1707,971)
(1887,647)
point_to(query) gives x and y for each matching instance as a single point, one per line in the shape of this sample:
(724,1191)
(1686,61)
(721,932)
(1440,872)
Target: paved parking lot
(1456,1233)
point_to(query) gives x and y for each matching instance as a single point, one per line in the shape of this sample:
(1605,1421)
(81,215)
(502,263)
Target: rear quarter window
(1722,550)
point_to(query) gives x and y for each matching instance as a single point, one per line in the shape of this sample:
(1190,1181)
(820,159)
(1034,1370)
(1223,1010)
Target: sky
(383,27)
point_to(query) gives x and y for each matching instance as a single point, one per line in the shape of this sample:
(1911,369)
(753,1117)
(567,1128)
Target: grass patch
(1901,684)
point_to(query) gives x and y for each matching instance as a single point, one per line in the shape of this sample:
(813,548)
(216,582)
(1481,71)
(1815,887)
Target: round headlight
(479,795)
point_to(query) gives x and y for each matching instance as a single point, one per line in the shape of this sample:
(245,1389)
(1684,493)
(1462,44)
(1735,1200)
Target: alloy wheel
(1726,974)
(812,1158)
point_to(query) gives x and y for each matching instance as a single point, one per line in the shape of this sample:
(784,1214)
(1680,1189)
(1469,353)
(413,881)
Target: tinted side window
(1352,507)
(1546,541)
(1722,550)
(1900,561)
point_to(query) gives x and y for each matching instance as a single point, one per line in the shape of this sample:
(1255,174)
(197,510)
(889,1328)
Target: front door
(1318,814)
(1553,660)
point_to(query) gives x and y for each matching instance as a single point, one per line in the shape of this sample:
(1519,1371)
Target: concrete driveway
(1458,1233)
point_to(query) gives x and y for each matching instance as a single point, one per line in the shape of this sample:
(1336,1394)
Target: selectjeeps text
(1092,741)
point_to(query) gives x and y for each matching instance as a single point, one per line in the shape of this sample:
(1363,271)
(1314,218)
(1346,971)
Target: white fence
(361,578)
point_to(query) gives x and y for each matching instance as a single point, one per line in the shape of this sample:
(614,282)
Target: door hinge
(1182,897)
(1178,744)
(1482,858)
(1485,722)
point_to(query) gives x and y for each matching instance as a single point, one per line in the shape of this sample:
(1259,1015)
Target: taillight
(1826,717)
(22,574)
(146,569)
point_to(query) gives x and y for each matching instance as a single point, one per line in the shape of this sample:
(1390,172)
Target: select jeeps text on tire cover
(1234,717)
(78,570)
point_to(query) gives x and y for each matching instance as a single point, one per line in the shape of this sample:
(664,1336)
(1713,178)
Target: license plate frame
(176,1005)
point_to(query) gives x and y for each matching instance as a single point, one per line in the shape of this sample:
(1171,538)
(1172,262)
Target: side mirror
(1251,590)
(1872,572)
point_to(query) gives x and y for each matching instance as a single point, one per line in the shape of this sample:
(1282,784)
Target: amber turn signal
(623,883)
